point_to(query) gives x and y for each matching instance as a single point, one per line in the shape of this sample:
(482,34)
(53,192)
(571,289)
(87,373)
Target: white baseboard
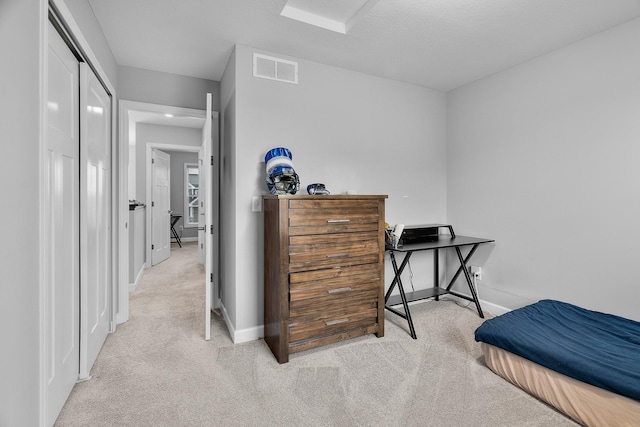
(492,308)
(242,335)
(133,286)
(249,334)
(487,306)
(257,332)
(186,239)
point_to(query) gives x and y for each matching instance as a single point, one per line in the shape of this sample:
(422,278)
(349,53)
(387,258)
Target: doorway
(137,121)
(159,211)
(174,203)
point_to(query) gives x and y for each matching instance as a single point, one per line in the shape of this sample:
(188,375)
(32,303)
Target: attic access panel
(334,15)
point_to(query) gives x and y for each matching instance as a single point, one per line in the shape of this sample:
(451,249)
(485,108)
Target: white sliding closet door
(95,219)
(61,213)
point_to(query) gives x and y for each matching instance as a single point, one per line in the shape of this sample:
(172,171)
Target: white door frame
(127,137)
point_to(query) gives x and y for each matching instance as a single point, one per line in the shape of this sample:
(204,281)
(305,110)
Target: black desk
(444,241)
(174,219)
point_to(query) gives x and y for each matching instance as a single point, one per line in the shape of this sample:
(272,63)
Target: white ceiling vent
(268,67)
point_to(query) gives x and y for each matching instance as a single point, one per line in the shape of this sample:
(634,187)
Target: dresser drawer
(305,303)
(338,276)
(341,318)
(329,238)
(319,256)
(331,216)
(331,203)
(334,287)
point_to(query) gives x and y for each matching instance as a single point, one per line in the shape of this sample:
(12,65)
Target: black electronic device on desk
(421,233)
(410,239)
(410,234)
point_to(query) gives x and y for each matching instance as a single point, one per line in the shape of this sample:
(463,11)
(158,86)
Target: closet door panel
(61,214)
(95,220)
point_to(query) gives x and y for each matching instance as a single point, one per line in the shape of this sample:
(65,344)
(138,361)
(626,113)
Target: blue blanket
(595,348)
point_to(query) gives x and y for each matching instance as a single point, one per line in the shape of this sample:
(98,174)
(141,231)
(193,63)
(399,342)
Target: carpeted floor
(157,370)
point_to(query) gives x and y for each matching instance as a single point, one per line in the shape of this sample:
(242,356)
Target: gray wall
(21,24)
(228,189)
(544,158)
(348,130)
(92,32)
(153,87)
(178,160)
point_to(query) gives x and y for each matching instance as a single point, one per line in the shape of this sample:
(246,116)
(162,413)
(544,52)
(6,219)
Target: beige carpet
(157,370)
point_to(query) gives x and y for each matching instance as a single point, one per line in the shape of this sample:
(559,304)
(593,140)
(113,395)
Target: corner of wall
(242,335)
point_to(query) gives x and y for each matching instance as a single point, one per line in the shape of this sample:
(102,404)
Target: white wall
(348,130)
(544,157)
(21,28)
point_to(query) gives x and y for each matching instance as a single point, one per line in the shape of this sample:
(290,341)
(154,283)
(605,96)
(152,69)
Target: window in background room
(191,180)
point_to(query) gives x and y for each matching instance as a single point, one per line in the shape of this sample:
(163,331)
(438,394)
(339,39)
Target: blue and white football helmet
(281,177)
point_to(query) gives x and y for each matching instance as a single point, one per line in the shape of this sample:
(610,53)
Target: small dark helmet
(317,189)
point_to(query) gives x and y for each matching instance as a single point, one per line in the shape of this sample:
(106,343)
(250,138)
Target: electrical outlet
(476,272)
(256,204)
(181,228)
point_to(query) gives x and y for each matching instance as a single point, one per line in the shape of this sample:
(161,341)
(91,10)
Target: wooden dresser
(323,270)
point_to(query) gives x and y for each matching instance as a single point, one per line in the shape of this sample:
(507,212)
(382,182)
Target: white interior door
(210,197)
(202,184)
(61,213)
(160,206)
(95,217)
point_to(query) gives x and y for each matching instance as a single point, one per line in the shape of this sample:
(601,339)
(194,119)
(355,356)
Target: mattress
(592,347)
(584,403)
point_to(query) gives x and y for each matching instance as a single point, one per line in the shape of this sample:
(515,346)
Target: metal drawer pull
(343,255)
(336,322)
(339,291)
(338,221)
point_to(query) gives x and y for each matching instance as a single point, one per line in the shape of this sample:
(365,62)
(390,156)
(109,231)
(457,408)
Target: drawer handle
(343,255)
(338,221)
(336,322)
(339,291)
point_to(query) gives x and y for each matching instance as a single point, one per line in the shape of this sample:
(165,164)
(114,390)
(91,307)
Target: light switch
(256,204)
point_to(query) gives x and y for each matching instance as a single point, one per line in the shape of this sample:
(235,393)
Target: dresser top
(326,196)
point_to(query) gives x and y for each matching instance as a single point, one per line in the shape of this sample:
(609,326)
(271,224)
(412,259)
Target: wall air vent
(268,67)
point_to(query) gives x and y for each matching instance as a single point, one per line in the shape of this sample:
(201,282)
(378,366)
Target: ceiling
(440,44)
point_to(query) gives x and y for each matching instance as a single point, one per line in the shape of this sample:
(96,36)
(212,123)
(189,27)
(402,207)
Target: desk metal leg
(436,272)
(397,280)
(463,267)
(175,236)
(466,262)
